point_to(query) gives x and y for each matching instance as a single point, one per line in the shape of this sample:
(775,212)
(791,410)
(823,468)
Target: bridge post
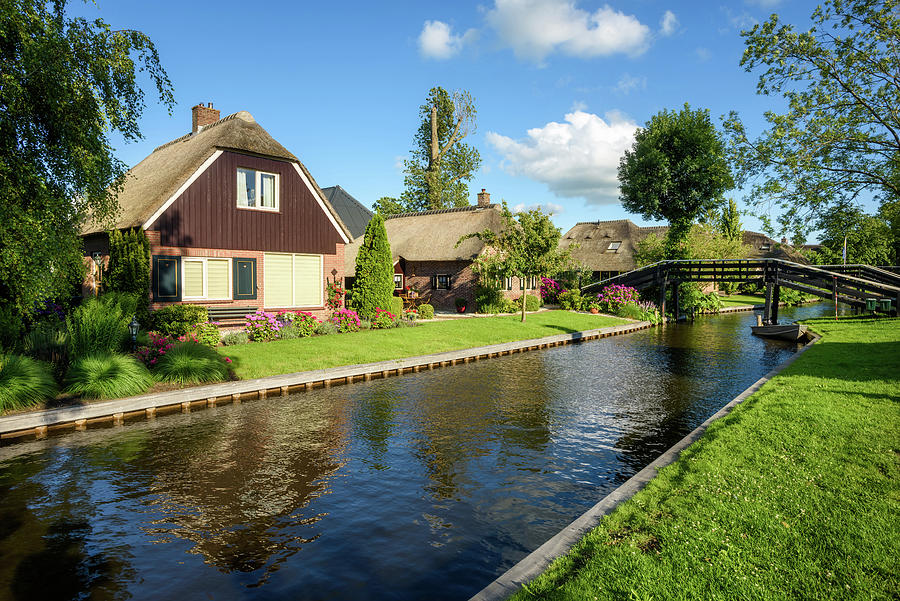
(776,299)
(767,312)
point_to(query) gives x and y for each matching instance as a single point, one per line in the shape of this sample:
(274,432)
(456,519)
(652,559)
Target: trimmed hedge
(178,320)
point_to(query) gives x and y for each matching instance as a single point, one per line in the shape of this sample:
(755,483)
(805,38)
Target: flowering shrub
(612,297)
(410,314)
(383,320)
(570,300)
(305,323)
(262,326)
(159,345)
(345,320)
(335,294)
(550,290)
(207,334)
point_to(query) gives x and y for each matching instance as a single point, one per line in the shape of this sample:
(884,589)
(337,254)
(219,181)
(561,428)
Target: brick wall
(462,282)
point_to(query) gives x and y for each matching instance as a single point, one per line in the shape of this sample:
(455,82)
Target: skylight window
(613,247)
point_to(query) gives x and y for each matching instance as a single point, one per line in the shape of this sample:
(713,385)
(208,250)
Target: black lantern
(133,328)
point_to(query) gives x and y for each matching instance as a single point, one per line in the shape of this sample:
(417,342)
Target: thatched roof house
(607,247)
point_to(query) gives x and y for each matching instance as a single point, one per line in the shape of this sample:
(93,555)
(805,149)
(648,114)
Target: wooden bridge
(849,284)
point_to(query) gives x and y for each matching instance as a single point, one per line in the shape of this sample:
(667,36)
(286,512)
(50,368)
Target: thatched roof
(150,183)
(594,240)
(354,215)
(432,235)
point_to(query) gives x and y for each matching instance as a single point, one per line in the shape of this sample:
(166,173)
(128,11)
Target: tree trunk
(431,175)
(524,292)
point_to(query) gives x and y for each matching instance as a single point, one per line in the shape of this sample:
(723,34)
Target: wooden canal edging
(37,424)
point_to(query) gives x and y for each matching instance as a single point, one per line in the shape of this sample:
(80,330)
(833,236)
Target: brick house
(426,258)
(233,218)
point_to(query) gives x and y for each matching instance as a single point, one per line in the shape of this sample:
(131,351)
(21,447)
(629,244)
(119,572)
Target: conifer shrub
(129,268)
(178,320)
(24,382)
(374,283)
(107,376)
(192,363)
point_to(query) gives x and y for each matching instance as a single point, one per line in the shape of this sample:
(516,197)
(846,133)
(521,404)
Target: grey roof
(150,183)
(353,213)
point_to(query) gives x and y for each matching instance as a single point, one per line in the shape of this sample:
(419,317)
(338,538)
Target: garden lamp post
(133,328)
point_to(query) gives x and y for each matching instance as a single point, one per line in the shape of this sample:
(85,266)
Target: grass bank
(257,360)
(793,495)
(740,300)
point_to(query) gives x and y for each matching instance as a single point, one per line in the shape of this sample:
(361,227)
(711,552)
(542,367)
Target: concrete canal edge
(37,424)
(534,564)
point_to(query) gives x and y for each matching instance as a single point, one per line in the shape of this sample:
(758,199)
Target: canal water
(427,485)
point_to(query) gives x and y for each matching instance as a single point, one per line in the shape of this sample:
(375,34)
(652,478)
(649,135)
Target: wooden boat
(791,331)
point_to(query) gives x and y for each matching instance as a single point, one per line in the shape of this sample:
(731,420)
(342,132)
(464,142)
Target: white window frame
(206,277)
(400,286)
(258,188)
(610,248)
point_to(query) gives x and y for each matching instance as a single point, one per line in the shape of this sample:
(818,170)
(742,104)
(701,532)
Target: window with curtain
(257,189)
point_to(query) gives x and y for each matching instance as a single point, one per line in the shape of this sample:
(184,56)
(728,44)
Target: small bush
(550,290)
(345,320)
(207,334)
(192,363)
(107,376)
(262,326)
(410,314)
(570,300)
(693,299)
(306,324)
(100,325)
(396,305)
(325,328)
(426,311)
(614,296)
(640,311)
(232,338)
(383,320)
(158,345)
(532,303)
(178,320)
(48,342)
(24,382)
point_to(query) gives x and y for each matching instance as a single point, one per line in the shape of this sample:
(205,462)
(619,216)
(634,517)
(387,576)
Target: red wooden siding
(207,215)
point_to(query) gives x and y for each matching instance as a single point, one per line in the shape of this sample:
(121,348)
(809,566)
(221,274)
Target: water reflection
(426,485)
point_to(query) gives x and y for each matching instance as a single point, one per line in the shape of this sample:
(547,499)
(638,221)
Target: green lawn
(736,300)
(794,495)
(257,360)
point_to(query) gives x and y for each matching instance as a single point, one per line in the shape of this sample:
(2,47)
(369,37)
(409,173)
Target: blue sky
(559,85)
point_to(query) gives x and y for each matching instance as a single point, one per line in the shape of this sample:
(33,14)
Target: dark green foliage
(396,306)
(730,221)
(870,238)
(426,311)
(440,165)
(676,170)
(191,363)
(177,320)
(488,296)
(694,299)
(373,287)
(11,327)
(571,300)
(388,206)
(532,303)
(24,382)
(129,268)
(100,325)
(68,85)
(48,342)
(107,376)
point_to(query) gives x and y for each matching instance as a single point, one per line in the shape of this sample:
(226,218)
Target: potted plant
(460,304)
(594,308)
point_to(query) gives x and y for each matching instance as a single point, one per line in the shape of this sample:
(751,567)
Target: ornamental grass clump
(345,320)
(262,326)
(24,382)
(192,363)
(100,325)
(107,376)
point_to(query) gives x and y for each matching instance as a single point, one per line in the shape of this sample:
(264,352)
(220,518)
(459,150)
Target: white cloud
(669,23)
(550,208)
(703,54)
(578,158)
(630,83)
(536,28)
(578,105)
(437,40)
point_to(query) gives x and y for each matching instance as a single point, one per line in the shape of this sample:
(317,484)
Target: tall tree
(374,283)
(129,268)
(730,221)
(870,240)
(526,246)
(840,136)
(676,170)
(440,164)
(65,85)
(387,205)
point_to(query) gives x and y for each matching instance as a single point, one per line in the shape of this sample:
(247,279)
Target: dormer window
(765,246)
(257,189)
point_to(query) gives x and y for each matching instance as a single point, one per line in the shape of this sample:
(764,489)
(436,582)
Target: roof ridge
(203,129)
(439,211)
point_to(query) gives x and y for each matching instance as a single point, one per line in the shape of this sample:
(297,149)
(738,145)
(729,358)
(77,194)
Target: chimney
(484,198)
(201,116)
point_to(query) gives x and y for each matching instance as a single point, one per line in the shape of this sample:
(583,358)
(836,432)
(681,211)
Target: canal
(427,485)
